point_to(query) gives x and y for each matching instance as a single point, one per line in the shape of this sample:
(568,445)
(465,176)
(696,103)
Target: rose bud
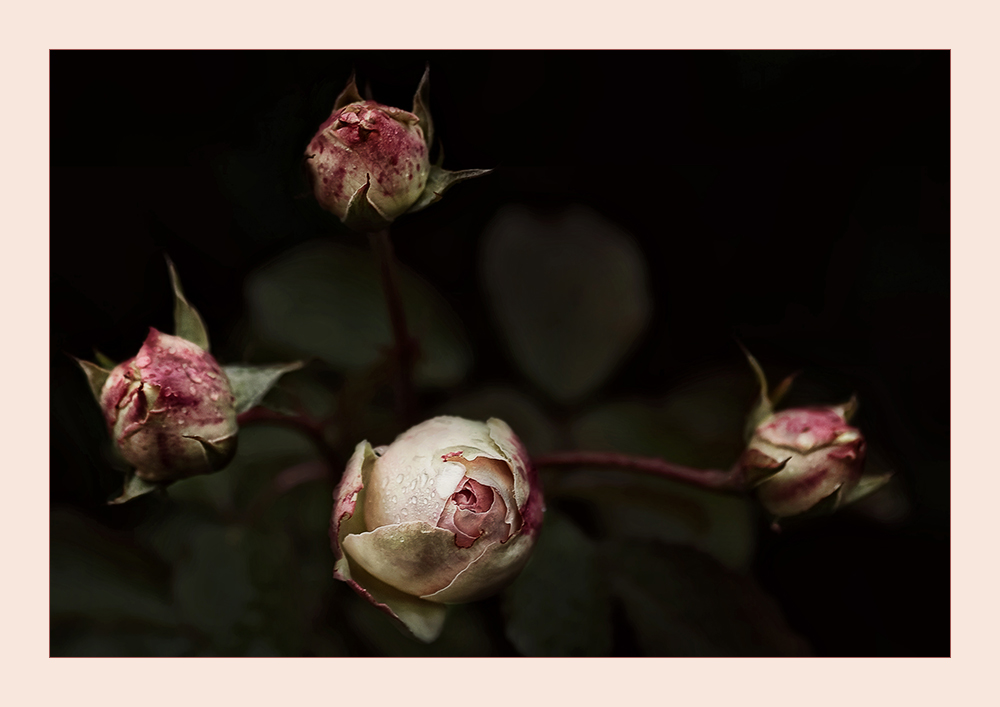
(170,410)
(800,457)
(369,163)
(448,513)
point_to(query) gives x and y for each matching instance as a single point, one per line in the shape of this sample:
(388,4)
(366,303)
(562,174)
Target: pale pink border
(967,27)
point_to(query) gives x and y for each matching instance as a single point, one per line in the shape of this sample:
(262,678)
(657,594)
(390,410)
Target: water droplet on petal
(211,375)
(399,479)
(142,361)
(214,396)
(392,500)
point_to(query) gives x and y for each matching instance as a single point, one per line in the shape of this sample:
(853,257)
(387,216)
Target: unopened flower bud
(170,410)
(369,163)
(371,150)
(803,456)
(448,513)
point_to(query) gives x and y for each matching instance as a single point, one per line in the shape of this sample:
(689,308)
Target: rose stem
(713,479)
(404,345)
(313,429)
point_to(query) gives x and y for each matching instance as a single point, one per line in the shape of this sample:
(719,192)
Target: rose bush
(448,513)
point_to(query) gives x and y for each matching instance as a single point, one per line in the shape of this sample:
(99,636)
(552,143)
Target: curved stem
(731,481)
(404,345)
(310,427)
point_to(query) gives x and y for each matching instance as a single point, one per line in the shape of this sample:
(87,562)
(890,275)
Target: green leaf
(559,605)
(680,602)
(251,383)
(101,579)
(325,300)
(187,322)
(570,293)
(133,488)
(441,180)
(96,377)
(698,425)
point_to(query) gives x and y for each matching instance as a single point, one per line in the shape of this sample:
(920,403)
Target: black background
(796,200)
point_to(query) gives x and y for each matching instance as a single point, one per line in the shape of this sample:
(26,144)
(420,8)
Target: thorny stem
(404,345)
(712,479)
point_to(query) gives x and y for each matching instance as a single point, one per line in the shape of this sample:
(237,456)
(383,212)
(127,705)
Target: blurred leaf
(699,424)
(325,300)
(212,586)
(516,409)
(569,292)
(680,602)
(251,383)
(188,323)
(559,606)
(102,643)
(102,579)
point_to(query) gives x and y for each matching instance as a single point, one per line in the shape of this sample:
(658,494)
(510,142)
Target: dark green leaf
(570,293)
(680,602)
(325,300)
(559,606)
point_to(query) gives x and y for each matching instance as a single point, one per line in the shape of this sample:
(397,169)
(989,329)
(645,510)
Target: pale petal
(416,558)
(487,574)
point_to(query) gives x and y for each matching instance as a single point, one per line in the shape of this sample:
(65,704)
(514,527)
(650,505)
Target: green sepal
(96,376)
(188,323)
(251,383)
(134,487)
(348,95)
(764,407)
(866,487)
(441,180)
(421,106)
(362,215)
(103,361)
(759,467)
(219,452)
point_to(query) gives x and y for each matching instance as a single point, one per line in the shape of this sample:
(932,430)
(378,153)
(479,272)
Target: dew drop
(142,361)
(194,391)
(392,500)
(211,375)
(399,479)
(192,374)
(214,396)
(171,350)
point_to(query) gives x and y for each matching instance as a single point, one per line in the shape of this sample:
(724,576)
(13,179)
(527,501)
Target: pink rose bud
(371,153)
(448,513)
(170,410)
(800,457)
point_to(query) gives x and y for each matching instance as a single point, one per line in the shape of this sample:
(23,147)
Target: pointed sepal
(867,486)
(847,410)
(348,95)
(441,180)
(134,487)
(96,376)
(251,383)
(759,467)
(104,361)
(764,407)
(421,106)
(362,215)
(188,323)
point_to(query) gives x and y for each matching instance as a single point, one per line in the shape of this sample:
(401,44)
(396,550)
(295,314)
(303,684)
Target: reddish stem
(307,425)
(713,479)
(404,345)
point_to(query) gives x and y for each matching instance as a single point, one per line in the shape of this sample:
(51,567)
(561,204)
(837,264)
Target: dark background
(796,201)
